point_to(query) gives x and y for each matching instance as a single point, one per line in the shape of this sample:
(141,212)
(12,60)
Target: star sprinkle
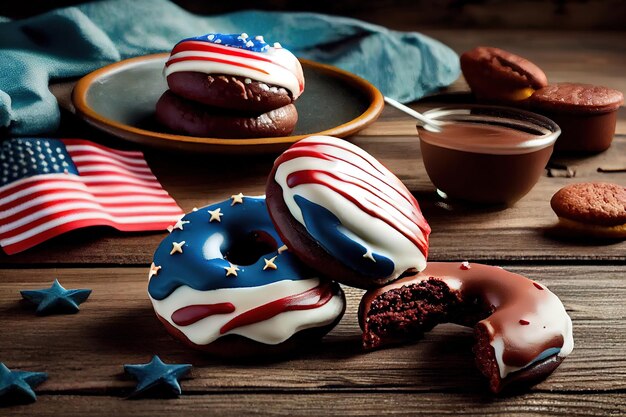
(18,385)
(237,199)
(269,263)
(216,215)
(157,374)
(56,299)
(179,224)
(177,247)
(154,270)
(231,269)
(369,255)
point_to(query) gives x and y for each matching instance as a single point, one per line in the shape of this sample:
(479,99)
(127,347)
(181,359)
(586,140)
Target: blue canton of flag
(26,157)
(51,186)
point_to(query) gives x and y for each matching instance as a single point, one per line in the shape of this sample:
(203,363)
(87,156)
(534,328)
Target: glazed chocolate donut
(234,71)
(189,118)
(522,331)
(346,215)
(223,282)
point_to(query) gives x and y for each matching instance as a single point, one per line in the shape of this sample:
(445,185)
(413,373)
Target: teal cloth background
(73,41)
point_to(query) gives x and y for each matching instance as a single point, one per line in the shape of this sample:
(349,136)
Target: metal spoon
(419,116)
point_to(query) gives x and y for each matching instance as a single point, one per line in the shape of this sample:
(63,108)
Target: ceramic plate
(120,99)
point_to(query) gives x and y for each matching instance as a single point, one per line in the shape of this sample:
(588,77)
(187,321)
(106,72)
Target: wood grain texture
(84,353)
(335,403)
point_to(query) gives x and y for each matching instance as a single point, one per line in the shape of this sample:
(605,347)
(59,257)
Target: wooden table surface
(84,353)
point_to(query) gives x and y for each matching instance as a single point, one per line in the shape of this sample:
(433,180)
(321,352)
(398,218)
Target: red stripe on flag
(207,47)
(219,60)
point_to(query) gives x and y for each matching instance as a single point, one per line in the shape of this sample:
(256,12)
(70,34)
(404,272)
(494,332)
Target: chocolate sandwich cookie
(193,119)
(497,75)
(591,209)
(234,71)
(587,114)
(522,331)
(229,91)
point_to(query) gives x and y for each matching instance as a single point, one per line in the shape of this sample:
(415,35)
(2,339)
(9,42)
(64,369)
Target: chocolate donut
(224,283)
(522,331)
(190,118)
(346,215)
(234,71)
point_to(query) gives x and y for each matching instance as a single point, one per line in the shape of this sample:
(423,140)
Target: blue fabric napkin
(73,41)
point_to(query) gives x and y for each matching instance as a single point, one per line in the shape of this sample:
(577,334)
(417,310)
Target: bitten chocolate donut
(522,331)
(223,282)
(346,215)
(187,117)
(234,71)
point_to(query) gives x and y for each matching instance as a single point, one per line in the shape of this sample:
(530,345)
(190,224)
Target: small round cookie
(346,215)
(234,71)
(522,331)
(591,209)
(193,119)
(224,283)
(496,75)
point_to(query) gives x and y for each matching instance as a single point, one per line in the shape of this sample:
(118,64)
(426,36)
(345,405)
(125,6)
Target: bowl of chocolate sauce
(486,154)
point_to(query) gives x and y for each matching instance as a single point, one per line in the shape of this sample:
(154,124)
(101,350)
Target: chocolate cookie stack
(230,86)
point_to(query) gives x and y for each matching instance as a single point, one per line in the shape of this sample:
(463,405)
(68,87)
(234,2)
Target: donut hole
(247,249)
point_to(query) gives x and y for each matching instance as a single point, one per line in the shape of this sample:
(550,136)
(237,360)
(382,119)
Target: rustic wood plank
(331,404)
(84,353)
(459,231)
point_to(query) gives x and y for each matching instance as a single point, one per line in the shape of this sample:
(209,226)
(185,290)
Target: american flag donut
(240,55)
(343,213)
(210,290)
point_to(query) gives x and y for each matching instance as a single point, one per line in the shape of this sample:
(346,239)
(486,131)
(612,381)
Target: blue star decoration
(56,299)
(157,375)
(17,386)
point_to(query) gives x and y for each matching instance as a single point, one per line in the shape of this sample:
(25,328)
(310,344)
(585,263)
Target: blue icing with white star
(27,157)
(235,40)
(202,266)
(328,231)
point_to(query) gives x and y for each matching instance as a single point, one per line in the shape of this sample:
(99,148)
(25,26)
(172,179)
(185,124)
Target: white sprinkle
(259,38)
(274,90)
(264,87)
(277,45)
(247,81)
(243,36)
(211,37)
(218,41)
(249,44)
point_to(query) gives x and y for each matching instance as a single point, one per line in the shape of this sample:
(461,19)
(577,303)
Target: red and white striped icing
(276,67)
(372,204)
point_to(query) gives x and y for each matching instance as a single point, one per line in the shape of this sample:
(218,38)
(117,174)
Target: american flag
(51,186)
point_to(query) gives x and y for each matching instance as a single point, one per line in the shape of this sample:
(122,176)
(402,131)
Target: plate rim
(79,100)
